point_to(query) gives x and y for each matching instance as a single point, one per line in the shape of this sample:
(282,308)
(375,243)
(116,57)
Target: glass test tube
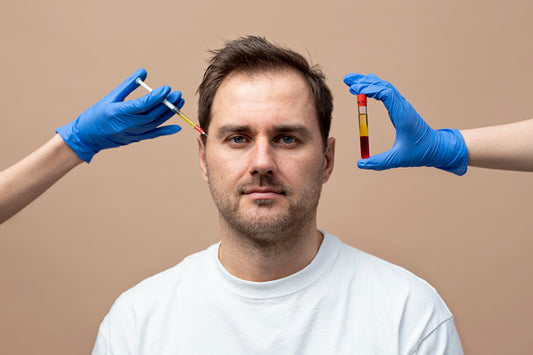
(363,126)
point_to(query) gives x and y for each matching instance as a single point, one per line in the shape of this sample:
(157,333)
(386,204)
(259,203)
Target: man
(112,122)
(275,284)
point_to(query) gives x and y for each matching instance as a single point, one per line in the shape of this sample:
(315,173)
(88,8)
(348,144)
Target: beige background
(140,209)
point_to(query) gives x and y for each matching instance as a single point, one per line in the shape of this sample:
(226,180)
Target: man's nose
(262,159)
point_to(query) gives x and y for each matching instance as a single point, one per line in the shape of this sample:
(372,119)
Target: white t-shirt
(344,302)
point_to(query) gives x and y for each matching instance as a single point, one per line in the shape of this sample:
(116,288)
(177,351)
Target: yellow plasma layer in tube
(363,125)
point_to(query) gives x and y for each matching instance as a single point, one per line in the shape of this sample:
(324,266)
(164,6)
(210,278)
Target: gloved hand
(112,122)
(416,143)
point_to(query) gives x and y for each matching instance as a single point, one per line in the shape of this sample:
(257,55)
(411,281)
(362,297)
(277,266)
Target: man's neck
(269,261)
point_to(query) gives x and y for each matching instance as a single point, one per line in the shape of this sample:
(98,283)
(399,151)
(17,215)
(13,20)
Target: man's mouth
(262,192)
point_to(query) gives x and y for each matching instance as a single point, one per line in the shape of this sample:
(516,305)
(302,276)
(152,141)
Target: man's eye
(237,139)
(287,139)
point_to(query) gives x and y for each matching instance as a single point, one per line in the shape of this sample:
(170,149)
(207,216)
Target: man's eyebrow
(297,128)
(300,129)
(227,129)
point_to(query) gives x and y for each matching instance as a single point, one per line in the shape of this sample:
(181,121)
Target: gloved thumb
(381,161)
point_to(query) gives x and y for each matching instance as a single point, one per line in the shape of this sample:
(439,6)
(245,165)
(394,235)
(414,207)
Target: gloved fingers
(145,103)
(378,92)
(369,79)
(161,131)
(174,98)
(159,114)
(355,78)
(158,110)
(180,103)
(370,85)
(381,161)
(127,86)
(147,123)
(140,122)
(401,113)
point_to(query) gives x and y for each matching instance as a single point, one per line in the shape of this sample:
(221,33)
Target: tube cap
(361,100)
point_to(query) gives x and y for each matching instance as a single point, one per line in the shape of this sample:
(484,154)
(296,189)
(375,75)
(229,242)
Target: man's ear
(201,154)
(329,157)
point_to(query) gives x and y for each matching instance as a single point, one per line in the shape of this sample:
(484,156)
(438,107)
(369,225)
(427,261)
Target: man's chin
(264,203)
(263,221)
(263,207)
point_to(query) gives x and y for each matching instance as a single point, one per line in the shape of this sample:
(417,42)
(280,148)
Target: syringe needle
(167,103)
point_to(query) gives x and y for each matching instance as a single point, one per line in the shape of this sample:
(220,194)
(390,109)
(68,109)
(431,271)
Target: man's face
(264,159)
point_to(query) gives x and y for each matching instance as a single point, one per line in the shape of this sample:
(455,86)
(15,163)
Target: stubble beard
(272,233)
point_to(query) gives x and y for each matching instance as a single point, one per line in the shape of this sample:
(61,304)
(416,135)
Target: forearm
(26,180)
(508,147)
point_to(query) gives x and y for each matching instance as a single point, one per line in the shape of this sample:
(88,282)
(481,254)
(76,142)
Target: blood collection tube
(363,126)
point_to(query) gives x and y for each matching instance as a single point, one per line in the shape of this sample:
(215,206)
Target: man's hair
(253,54)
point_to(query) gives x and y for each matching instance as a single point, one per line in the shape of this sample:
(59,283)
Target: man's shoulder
(154,297)
(385,277)
(170,280)
(389,290)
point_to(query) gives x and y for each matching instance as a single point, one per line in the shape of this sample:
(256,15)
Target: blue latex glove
(112,122)
(416,143)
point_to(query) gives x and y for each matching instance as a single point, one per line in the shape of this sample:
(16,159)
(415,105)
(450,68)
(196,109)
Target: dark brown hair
(254,54)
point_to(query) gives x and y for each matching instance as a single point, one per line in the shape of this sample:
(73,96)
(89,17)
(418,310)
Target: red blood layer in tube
(365,151)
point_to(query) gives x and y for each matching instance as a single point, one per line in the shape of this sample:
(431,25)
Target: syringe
(167,103)
(363,126)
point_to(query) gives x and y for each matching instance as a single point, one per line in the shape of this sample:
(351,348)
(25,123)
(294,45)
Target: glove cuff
(70,135)
(455,158)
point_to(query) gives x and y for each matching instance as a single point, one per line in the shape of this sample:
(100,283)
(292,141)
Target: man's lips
(263,192)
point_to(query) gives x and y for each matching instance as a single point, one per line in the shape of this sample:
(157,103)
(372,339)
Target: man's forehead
(243,85)
(269,92)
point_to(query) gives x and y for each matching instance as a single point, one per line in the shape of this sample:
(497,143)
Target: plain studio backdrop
(140,209)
